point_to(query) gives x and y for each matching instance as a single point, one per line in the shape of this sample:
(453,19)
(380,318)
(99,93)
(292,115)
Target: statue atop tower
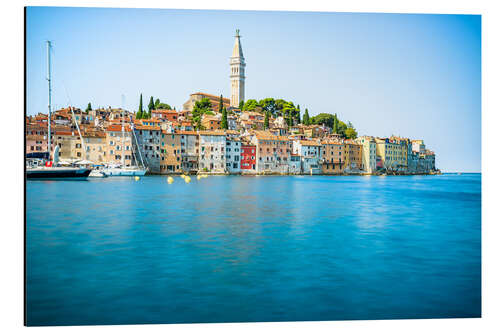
(237,76)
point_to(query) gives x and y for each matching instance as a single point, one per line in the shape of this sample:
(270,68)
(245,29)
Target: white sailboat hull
(114,172)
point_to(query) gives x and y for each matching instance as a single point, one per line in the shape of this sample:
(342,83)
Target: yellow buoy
(198,177)
(187,179)
(183,176)
(170,180)
(137,177)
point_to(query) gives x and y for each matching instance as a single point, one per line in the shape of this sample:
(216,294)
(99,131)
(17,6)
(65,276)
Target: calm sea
(235,249)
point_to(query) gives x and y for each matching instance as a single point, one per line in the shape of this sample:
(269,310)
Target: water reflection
(252,249)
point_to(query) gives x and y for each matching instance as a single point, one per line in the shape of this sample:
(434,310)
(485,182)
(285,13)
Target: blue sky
(417,76)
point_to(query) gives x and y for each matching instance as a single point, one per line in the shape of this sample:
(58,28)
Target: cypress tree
(224,124)
(139,113)
(151,105)
(306,120)
(89,107)
(241,105)
(221,104)
(266,120)
(157,103)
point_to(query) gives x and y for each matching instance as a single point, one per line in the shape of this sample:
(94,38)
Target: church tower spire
(237,76)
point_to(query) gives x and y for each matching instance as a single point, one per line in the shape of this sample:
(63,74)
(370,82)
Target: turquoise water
(233,249)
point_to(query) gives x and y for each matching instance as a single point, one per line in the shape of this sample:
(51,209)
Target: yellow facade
(170,150)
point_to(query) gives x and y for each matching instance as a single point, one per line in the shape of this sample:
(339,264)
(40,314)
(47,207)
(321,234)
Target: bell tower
(237,66)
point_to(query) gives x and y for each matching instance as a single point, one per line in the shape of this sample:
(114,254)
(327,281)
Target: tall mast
(123,134)
(49,45)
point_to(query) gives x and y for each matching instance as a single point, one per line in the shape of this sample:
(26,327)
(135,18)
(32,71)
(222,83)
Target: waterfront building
(248,158)
(413,162)
(170,153)
(237,68)
(418,146)
(94,149)
(404,148)
(233,154)
(294,165)
(189,151)
(36,143)
(212,156)
(273,152)
(198,96)
(67,142)
(389,153)
(149,143)
(118,143)
(429,161)
(368,154)
(353,157)
(332,156)
(309,152)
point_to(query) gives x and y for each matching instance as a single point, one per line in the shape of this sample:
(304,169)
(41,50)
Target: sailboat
(52,169)
(122,169)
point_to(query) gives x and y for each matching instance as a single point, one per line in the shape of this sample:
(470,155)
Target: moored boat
(57,173)
(51,169)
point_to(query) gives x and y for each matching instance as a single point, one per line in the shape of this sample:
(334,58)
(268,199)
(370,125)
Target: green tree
(157,103)
(268,105)
(224,124)
(323,119)
(163,106)
(151,105)
(139,114)
(306,120)
(350,132)
(241,105)
(250,105)
(297,114)
(221,104)
(201,107)
(266,120)
(89,108)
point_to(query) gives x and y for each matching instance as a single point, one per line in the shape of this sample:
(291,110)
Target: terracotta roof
(187,132)
(65,133)
(148,128)
(309,143)
(210,95)
(212,133)
(164,111)
(331,142)
(265,135)
(94,135)
(118,128)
